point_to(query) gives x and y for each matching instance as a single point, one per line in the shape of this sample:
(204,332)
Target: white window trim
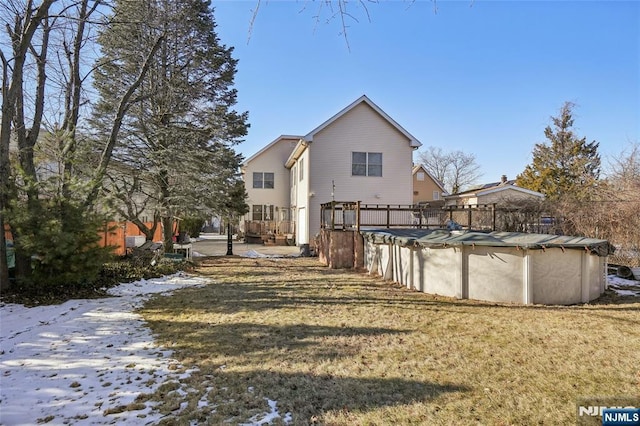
(367,164)
(263,180)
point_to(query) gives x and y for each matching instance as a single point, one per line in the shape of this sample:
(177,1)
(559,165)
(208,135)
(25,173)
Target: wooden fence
(114,234)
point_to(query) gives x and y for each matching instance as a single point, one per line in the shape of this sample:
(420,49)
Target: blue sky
(482,77)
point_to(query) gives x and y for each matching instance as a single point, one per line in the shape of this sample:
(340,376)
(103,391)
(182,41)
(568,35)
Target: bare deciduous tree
(455,170)
(27,19)
(344,11)
(41,101)
(623,187)
(611,210)
(625,170)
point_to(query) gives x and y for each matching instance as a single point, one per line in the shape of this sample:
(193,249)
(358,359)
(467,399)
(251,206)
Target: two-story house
(359,154)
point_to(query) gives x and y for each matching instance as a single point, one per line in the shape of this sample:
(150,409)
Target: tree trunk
(23,260)
(4,270)
(21,37)
(167,223)
(148,232)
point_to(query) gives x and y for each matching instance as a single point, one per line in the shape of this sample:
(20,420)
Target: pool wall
(512,268)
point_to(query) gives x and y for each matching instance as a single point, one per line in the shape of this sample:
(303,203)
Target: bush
(110,275)
(59,241)
(125,271)
(192,226)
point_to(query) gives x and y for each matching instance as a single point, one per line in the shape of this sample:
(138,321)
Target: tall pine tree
(175,152)
(565,168)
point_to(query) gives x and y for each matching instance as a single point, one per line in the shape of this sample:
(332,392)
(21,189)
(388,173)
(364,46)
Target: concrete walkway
(216,245)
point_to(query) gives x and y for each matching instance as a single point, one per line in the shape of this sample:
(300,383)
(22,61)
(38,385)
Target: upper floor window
(263,180)
(366,164)
(420,175)
(436,195)
(301,169)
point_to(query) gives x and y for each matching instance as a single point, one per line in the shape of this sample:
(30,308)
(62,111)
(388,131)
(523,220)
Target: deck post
(388,216)
(333,215)
(493,216)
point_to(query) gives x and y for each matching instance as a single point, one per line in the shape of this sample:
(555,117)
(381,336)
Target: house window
(262,212)
(436,195)
(263,180)
(301,169)
(256,212)
(366,164)
(420,175)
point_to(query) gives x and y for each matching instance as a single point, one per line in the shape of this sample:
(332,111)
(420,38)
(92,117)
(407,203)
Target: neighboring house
(426,188)
(502,193)
(359,154)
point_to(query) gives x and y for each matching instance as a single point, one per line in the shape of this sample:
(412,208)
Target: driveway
(216,245)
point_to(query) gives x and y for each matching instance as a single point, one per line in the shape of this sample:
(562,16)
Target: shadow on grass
(308,396)
(230,298)
(263,295)
(249,285)
(244,339)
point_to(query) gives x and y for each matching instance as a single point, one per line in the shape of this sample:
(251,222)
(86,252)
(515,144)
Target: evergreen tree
(178,137)
(567,167)
(42,199)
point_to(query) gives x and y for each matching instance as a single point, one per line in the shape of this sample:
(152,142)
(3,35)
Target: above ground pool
(497,266)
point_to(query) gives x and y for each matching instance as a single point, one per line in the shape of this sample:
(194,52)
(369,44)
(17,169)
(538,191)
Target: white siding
(301,197)
(271,160)
(359,130)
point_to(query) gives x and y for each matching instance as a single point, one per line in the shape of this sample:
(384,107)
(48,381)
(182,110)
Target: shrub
(192,226)
(60,240)
(125,270)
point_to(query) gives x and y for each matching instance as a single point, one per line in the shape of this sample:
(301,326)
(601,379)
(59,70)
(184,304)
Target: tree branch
(123,107)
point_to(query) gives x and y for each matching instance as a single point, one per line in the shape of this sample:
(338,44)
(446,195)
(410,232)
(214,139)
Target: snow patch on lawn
(623,286)
(84,362)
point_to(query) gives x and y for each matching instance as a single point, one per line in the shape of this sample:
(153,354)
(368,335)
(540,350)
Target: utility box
(135,241)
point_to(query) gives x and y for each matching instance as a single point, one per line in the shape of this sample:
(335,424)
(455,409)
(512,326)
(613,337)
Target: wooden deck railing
(354,215)
(264,227)
(481,217)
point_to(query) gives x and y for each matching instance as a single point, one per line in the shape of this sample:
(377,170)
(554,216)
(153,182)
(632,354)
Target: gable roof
(490,188)
(269,145)
(412,140)
(436,181)
(300,147)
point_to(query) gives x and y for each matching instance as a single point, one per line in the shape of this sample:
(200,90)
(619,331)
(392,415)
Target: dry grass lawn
(344,348)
